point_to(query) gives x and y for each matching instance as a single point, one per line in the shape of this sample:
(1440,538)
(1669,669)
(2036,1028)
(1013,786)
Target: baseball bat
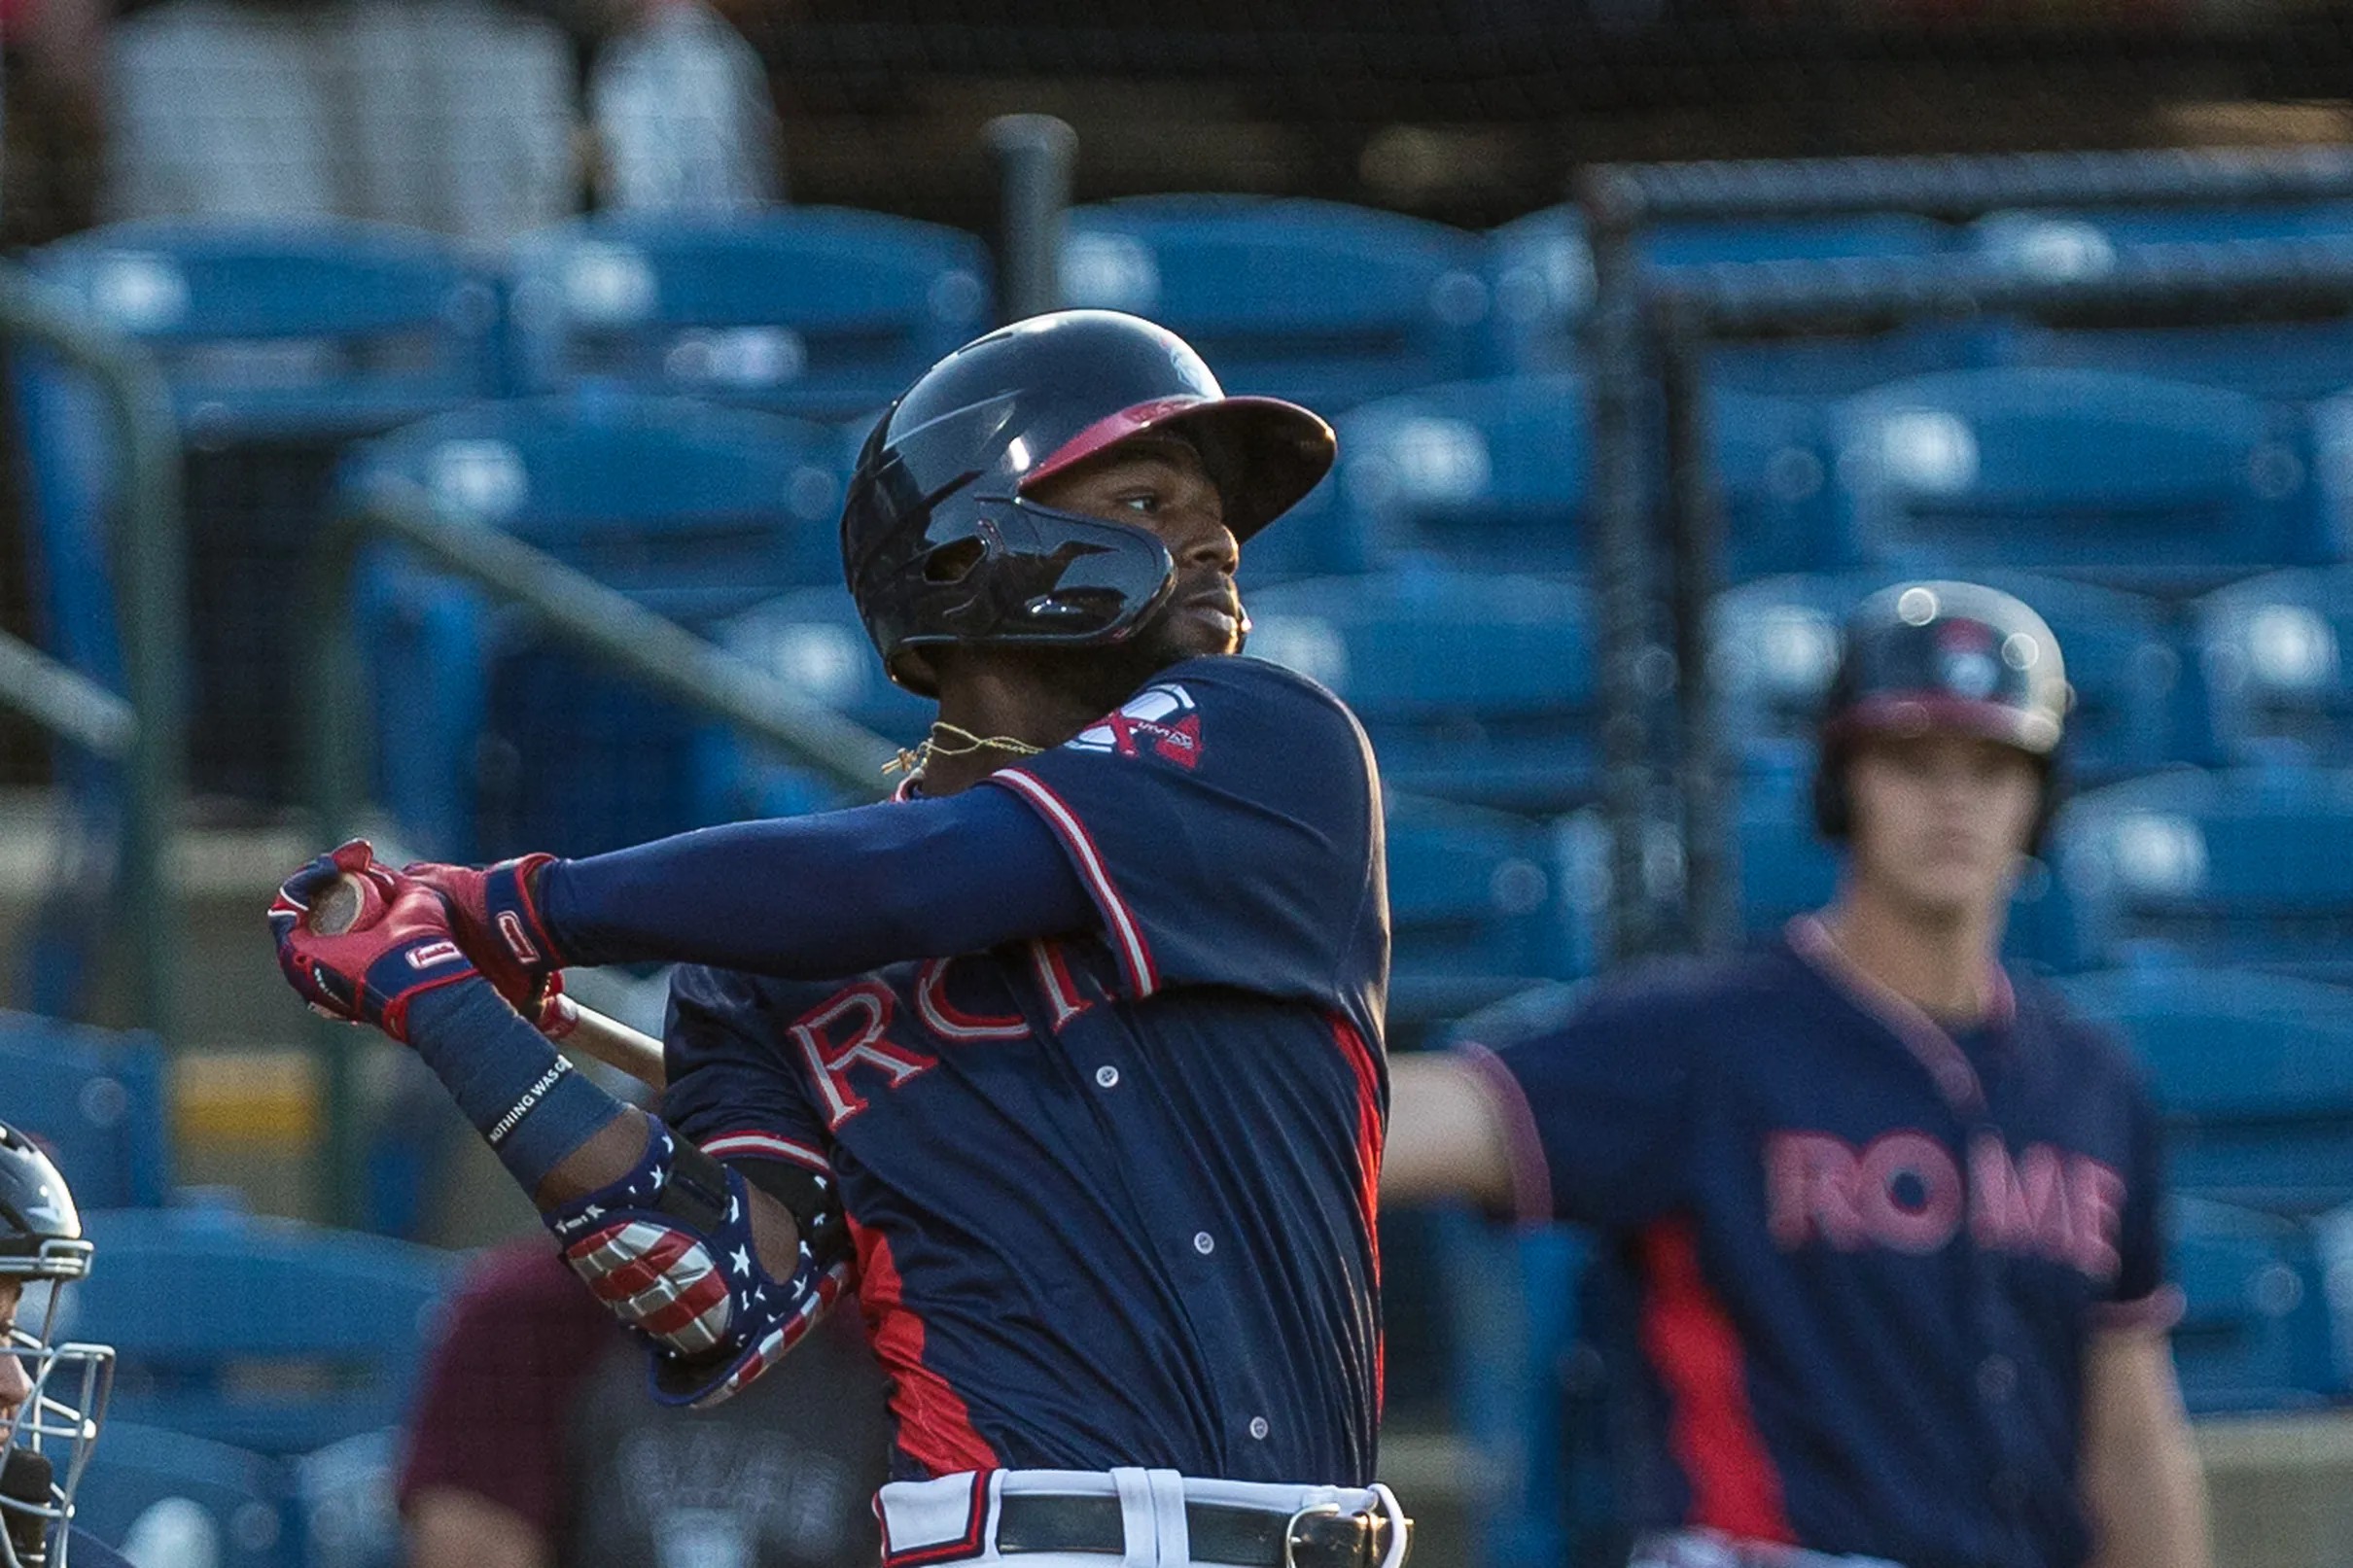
(590,1034)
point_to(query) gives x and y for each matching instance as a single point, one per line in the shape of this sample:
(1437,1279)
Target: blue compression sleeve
(812,897)
(525,1099)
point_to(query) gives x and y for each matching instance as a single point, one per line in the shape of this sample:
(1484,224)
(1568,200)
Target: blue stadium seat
(1315,301)
(344,1496)
(2242,866)
(697,513)
(1541,271)
(2291,360)
(816,311)
(266,1334)
(96,1101)
(1473,688)
(279,342)
(1777,645)
(2117,478)
(2253,1335)
(2276,655)
(1497,473)
(171,1497)
(1473,907)
(2254,1073)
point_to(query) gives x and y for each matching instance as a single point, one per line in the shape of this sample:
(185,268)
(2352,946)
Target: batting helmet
(1923,657)
(939,541)
(49,1436)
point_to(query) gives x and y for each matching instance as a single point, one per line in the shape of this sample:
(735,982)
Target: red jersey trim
(1532,1174)
(935,1426)
(1372,1135)
(2153,1313)
(1947,1063)
(1120,922)
(1694,1348)
(767,1146)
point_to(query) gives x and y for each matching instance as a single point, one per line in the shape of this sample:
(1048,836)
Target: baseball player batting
(1881,1271)
(1070,1057)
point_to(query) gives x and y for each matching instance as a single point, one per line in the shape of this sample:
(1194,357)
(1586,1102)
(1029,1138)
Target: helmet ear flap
(1833,811)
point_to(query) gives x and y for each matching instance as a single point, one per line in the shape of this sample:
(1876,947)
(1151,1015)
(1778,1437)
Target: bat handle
(338,905)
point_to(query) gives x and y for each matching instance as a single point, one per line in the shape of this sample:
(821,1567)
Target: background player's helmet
(49,1440)
(940,542)
(1943,657)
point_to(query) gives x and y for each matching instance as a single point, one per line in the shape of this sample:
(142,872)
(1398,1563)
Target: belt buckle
(1290,1528)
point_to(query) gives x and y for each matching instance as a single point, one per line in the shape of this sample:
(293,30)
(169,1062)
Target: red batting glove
(495,914)
(397,947)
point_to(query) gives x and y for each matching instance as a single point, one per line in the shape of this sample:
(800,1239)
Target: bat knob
(336,906)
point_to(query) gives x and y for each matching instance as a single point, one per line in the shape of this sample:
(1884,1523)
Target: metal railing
(143,732)
(599,621)
(1650,328)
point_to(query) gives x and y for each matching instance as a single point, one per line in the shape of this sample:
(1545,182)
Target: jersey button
(1203,1242)
(1258,1427)
(1997,1378)
(1106,1076)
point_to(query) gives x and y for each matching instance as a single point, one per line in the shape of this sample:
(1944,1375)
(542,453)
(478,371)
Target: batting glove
(396,946)
(495,916)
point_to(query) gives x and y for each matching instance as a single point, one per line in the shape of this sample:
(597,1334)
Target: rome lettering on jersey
(1113,1194)
(1852,1262)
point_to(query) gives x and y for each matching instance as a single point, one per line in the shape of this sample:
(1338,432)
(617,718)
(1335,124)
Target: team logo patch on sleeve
(1160,719)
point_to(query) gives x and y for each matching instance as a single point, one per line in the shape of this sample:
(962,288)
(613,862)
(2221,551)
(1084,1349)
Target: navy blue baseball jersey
(1851,1259)
(1112,1193)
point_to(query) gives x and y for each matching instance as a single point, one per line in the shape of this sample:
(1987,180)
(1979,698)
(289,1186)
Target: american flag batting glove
(496,917)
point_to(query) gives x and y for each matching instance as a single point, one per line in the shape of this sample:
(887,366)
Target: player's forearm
(2144,1487)
(812,897)
(1444,1137)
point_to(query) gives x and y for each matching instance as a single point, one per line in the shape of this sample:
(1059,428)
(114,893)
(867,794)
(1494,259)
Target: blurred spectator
(51,70)
(451,115)
(537,1442)
(683,116)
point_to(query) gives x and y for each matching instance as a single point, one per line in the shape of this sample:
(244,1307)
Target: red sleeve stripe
(1532,1173)
(1126,938)
(2153,1313)
(767,1146)
(1372,1135)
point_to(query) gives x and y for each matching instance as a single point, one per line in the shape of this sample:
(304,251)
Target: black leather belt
(1220,1532)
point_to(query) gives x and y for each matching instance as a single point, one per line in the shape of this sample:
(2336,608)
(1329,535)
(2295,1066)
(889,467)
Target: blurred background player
(998,1030)
(534,1444)
(1880,1246)
(53,1396)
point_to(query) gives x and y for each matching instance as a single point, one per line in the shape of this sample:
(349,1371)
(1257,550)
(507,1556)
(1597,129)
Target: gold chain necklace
(950,739)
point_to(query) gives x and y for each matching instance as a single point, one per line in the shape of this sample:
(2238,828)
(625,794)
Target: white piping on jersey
(1126,938)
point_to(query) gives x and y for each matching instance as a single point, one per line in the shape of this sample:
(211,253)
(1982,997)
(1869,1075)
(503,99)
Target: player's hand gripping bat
(590,1034)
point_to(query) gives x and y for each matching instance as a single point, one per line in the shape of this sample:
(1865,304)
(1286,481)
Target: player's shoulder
(1239,677)
(2086,1049)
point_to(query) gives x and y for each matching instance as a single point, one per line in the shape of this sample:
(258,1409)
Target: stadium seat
(697,513)
(1472,908)
(814,311)
(1474,688)
(265,1334)
(2293,361)
(2276,655)
(1541,273)
(1777,643)
(2242,866)
(2123,479)
(1497,473)
(1315,301)
(169,1497)
(2254,1073)
(2254,1334)
(344,1496)
(278,344)
(95,1100)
